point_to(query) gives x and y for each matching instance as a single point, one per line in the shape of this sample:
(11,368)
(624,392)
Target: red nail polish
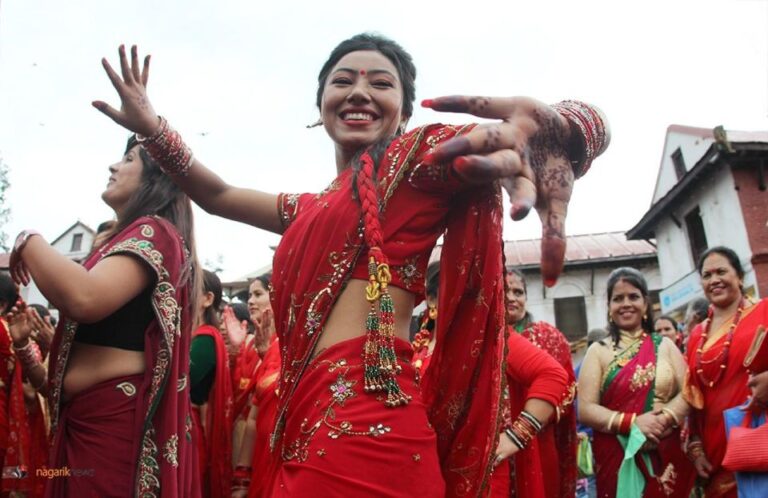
(427,103)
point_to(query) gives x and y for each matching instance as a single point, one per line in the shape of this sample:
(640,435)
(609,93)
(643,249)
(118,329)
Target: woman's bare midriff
(347,319)
(88,365)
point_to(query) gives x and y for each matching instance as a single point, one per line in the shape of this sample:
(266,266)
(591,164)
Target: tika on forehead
(362,72)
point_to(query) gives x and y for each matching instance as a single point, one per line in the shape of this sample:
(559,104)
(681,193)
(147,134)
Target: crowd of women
(154,388)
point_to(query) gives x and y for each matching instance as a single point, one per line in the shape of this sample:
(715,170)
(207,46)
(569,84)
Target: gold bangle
(671,414)
(609,426)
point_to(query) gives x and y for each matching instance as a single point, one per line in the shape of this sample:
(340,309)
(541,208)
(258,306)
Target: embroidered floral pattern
(149,470)
(341,390)
(643,376)
(410,273)
(171,450)
(147,231)
(288,205)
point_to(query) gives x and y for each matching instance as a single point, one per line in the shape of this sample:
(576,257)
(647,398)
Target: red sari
(630,389)
(462,404)
(532,373)
(132,435)
(706,419)
(216,440)
(15,434)
(265,400)
(243,376)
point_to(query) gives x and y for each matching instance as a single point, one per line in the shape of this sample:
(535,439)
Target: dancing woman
(350,416)
(119,363)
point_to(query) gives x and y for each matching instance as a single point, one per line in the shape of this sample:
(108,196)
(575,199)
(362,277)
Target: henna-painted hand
(233,328)
(527,152)
(19,324)
(136,112)
(264,329)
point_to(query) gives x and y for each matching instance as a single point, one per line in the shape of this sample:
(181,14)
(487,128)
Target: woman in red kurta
(350,416)
(717,379)
(557,441)
(119,385)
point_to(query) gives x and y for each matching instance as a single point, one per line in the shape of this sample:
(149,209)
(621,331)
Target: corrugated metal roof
(580,249)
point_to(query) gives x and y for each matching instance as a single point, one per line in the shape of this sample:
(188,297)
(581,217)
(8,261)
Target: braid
(379,357)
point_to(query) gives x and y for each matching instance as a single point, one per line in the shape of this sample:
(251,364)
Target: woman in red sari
(557,441)
(630,390)
(717,379)
(211,393)
(424,341)
(119,386)
(349,269)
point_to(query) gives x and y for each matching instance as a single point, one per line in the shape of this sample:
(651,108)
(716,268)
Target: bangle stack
(241,478)
(523,429)
(595,136)
(28,354)
(167,148)
(625,422)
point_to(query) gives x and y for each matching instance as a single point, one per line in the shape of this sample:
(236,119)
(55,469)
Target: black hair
(265,280)
(8,292)
(670,320)
(700,307)
(727,253)
(637,280)
(399,58)
(212,284)
(433,279)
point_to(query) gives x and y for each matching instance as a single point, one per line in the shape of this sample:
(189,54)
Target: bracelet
(515,439)
(671,414)
(595,137)
(695,450)
(29,354)
(167,148)
(625,423)
(609,425)
(22,238)
(533,420)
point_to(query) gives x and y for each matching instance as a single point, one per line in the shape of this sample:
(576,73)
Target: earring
(317,123)
(432,311)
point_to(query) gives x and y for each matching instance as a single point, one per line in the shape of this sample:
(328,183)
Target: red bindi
(362,72)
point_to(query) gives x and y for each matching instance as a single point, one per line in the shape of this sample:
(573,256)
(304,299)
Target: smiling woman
(717,378)
(121,352)
(630,388)
(350,268)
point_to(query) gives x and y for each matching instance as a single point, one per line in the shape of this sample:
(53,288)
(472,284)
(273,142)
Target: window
(679,162)
(77,242)
(696,236)
(571,317)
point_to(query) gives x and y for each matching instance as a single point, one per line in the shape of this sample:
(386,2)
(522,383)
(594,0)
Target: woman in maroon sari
(630,388)
(119,386)
(349,269)
(717,379)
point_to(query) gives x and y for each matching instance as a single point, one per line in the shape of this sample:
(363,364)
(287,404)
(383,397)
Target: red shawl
(731,390)
(558,441)
(15,437)
(165,459)
(265,399)
(218,424)
(462,386)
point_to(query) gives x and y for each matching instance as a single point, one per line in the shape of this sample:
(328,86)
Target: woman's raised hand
(136,112)
(527,152)
(235,329)
(19,324)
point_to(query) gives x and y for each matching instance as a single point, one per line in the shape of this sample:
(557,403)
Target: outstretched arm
(202,185)
(533,150)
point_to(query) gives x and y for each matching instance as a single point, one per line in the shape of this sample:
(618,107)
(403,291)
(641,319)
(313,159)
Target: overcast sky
(238,79)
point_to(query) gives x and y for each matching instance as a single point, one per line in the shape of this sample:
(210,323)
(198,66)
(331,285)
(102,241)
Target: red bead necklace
(723,353)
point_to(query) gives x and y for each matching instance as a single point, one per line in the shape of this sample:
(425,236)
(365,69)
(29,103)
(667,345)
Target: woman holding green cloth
(630,394)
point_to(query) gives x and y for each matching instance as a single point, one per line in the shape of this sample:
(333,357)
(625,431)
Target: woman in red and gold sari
(350,269)
(630,391)
(717,379)
(119,386)
(424,341)
(557,441)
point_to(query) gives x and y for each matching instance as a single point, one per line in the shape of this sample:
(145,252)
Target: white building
(710,191)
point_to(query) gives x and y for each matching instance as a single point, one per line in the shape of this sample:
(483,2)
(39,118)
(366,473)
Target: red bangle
(625,425)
